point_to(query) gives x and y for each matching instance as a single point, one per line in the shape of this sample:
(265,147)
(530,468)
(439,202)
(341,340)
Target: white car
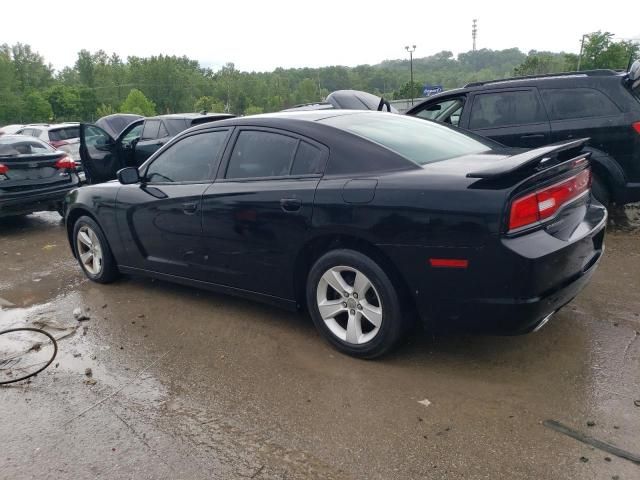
(62,136)
(10,129)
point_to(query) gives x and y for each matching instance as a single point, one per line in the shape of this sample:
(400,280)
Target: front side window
(190,159)
(96,137)
(151,129)
(447,111)
(566,103)
(493,110)
(258,154)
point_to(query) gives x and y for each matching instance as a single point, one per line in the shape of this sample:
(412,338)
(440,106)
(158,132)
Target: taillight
(636,127)
(66,163)
(545,203)
(3,169)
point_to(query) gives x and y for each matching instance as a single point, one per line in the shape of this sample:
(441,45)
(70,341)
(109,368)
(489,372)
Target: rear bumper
(514,316)
(34,202)
(512,287)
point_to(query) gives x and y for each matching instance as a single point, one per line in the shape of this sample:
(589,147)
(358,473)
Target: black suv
(528,112)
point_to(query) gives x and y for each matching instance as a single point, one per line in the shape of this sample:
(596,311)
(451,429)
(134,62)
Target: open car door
(102,155)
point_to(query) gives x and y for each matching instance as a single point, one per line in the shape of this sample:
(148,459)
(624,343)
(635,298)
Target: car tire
(366,323)
(93,252)
(600,190)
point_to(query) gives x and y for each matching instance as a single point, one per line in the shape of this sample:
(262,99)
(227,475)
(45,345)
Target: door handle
(189,208)
(534,135)
(290,204)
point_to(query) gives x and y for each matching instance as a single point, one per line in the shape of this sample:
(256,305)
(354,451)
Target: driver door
(101,154)
(160,219)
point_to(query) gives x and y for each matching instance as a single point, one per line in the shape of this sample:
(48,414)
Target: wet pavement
(191,385)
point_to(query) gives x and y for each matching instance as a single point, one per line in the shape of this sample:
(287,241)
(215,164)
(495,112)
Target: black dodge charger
(367,219)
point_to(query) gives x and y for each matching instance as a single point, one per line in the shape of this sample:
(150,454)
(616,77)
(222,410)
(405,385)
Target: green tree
(252,110)
(104,110)
(405,91)
(65,102)
(36,108)
(137,103)
(602,51)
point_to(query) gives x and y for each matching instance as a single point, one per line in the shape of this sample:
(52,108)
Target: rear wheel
(93,252)
(354,304)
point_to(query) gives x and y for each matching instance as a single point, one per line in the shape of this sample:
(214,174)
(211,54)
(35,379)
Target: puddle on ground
(81,349)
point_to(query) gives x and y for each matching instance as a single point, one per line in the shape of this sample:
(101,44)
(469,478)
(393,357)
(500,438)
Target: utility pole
(474,32)
(411,50)
(581,50)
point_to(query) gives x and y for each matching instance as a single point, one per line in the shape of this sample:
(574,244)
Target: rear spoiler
(559,151)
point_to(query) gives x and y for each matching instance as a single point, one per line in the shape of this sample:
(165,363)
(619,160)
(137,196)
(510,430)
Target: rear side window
(308,160)
(566,103)
(66,133)
(191,159)
(493,110)
(261,154)
(150,130)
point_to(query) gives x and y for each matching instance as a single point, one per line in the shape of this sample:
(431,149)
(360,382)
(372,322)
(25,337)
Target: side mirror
(434,108)
(128,176)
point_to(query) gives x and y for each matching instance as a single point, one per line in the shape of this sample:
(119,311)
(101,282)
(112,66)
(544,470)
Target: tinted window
(261,154)
(64,133)
(95,136)
(162,132)
(189,160)
(577,103)
(417,140)
(308,160)
(492,110)
(151,128)
(176,125)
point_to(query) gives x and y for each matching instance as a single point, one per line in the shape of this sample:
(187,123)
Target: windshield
(418,140)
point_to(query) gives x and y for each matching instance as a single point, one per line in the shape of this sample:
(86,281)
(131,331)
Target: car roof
(189,116)
(281,117)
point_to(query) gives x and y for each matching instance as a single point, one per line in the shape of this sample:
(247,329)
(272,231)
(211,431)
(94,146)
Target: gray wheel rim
(349,305)
(89,250)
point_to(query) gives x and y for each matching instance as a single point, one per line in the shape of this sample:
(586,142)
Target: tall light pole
(474,32)
(581,50)
(411,50)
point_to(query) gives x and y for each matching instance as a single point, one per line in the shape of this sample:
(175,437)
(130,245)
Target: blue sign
(428,90)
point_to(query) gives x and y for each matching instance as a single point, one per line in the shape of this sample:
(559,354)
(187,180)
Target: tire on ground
(109,271)
(394,319)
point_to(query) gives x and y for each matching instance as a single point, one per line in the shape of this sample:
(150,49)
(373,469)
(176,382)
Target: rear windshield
(66,133)
(11,146)
(421,141)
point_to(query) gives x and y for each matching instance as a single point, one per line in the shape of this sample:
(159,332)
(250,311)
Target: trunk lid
(31,172)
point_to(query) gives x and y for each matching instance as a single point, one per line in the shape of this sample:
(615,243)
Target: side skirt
(214,287)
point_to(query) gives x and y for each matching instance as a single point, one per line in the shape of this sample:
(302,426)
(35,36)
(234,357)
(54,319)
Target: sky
(263,35)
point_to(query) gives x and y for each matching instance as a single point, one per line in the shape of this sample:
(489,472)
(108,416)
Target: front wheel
(354,304)
(93,252)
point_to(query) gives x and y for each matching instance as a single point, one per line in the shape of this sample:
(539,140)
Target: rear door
(588,112)
(154,135)
(258,212)
(160,219)
(514,117)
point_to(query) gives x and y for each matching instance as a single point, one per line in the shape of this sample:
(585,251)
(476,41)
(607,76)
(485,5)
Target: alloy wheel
(89,250)
(349,305)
